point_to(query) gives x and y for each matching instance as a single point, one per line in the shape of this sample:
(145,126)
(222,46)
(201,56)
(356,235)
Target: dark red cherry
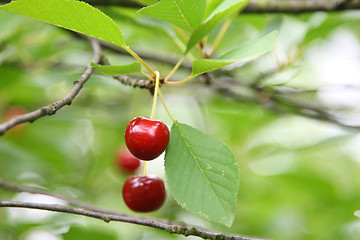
(144,193)
(126,161)
(146,138)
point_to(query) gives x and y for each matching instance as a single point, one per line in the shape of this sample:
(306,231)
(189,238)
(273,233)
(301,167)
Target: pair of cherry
(146,139)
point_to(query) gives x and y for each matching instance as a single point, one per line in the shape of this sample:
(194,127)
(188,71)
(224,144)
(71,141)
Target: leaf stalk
(182,81)
(174,69)
(132,53)
(164,104)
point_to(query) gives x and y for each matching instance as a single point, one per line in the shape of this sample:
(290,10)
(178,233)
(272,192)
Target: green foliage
(70,14)
(189,15)
(223,10)
(299,177)
(148,2)
(211,6)
(230,6)
(112,70)
(186,14)
(202,174)
(246,52)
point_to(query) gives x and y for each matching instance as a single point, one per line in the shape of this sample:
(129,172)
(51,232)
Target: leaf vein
(111,39)
(60,13)
(182,15)
(78,16)
(195,158)
(95,25)
(55,22)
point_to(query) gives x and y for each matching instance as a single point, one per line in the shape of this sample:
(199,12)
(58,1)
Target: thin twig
(278,104)
(170,228)
(314,112)
(135,82)
(266,6)
(296,6)
(110,215)
(67,100)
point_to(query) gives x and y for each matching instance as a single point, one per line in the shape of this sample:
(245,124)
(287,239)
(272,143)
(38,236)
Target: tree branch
(299,6)
(124,3)
(170,228)
(313,112)
(277,103)
(262,6)
(110,215)
(135,82)
(258,6)
(67,100)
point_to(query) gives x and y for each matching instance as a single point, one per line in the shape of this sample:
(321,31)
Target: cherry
(144,193)
(146,138)
(126,161)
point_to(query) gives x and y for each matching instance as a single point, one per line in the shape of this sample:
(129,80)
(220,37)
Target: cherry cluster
(146,139)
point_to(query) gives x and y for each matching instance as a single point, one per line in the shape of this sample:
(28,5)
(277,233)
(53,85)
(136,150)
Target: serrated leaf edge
(208,20)
(231,218)
(90,34)
(177,6)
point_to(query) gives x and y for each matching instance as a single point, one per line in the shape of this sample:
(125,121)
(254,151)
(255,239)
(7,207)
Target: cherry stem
(174,69)
(156,92)
(164,104)
(220,35)
(146,75)
(153,110)
(144,172)
(182,81)
(132,53)
(187,38)
(183,48)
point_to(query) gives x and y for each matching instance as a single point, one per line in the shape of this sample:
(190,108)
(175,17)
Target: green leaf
(202,174)
(246,52)
(186,14)
(112,70)
(221,11)
(70,14)
(147,2)
(211,6)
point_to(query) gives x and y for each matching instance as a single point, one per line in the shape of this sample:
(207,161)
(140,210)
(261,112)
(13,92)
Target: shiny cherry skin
(126,162)
(146,138)
(144,193)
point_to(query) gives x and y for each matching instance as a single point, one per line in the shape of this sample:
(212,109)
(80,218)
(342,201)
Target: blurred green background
(299,176)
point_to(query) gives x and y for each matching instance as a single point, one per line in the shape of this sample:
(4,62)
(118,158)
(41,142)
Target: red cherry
(126,161)
(146,138)
(144,193)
